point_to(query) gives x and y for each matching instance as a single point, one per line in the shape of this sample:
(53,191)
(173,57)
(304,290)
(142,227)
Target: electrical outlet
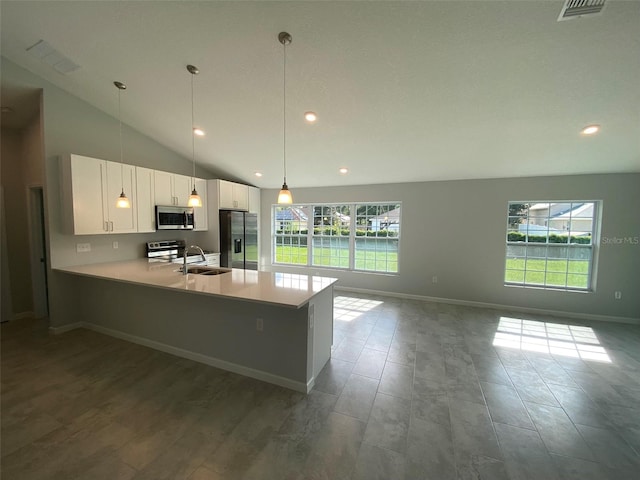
(115,244)
(618,295)
(83,247)
(259,325)
(434,279)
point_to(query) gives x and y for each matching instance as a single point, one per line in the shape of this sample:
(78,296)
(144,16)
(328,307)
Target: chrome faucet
(185,269)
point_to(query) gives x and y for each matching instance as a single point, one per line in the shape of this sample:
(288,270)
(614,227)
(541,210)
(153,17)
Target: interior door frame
(38,250)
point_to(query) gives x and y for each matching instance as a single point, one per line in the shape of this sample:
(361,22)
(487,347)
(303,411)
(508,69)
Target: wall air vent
(580,8)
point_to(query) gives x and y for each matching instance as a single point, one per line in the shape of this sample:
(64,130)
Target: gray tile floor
(414,390)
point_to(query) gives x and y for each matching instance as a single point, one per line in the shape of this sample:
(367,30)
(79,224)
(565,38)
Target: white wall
(73,126)
(439,217)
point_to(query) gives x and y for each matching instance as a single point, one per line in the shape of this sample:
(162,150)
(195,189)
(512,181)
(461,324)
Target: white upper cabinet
(182,186)
(241,196)
(232,196)
(163,183)
(225,194)
(254,200)
(200,213)
(92,187)
(145,194)
(119,178)
(83,178)
(172,188)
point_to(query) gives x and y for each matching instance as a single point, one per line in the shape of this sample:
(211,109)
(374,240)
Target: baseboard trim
(21,315)
(65,328)
(310,384)
(469,303)
(207,360)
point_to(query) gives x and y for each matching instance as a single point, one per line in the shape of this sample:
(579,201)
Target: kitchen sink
(203,270)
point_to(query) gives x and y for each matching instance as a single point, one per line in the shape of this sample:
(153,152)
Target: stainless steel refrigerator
(238,239)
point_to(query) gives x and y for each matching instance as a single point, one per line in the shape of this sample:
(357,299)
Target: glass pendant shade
(285,197)
(194,199)
(123,201)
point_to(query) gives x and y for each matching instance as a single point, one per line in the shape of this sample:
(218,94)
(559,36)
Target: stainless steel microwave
(174,218)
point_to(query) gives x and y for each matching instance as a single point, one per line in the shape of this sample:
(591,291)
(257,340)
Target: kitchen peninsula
(276,327)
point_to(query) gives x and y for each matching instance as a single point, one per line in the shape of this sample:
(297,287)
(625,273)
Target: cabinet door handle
(106,226)
(111,226)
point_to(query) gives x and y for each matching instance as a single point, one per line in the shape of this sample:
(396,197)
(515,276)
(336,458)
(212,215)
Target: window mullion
(310,234)
(352,236)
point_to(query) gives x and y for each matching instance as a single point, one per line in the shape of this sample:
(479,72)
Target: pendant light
(194,198)
(122,201)
(284,197)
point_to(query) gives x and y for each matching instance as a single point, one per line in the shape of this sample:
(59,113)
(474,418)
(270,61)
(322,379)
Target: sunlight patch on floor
(554,338)
(347,309)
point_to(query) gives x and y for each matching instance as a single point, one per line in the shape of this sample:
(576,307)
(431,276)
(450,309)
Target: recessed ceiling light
(199,132)
(343,170)
(258,174)
(310,117)
(590,130)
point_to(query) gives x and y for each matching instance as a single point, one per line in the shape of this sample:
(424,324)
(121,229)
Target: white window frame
(595,229)
(352,237)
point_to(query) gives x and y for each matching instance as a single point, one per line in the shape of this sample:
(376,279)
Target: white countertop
(286,289)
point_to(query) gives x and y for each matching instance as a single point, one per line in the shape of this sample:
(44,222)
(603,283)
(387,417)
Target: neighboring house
(293,218)
(580,219)
(344,220)
(539,213)
(386,221)
(560,217)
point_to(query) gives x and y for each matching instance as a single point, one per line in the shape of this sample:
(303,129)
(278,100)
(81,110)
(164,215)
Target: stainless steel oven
(174,218)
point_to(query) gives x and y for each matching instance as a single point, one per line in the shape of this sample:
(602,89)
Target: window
(376,243)
(362,237)
(550,244)
(331,236)
(290,227)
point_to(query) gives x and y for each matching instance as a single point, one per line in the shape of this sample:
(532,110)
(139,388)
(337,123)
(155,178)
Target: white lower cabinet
(92,187)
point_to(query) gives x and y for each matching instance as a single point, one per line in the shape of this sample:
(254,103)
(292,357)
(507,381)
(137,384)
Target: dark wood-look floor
(414,390)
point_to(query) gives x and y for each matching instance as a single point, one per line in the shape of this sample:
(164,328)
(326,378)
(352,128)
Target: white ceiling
(405,91)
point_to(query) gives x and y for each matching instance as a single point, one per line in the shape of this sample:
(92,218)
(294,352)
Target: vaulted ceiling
(404,91)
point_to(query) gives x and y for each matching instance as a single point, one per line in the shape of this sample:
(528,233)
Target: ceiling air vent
(52,57)
(580,8)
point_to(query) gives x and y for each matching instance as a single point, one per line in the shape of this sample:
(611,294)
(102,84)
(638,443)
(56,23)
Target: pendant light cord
(193,138)
(284,111)
(121,161)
